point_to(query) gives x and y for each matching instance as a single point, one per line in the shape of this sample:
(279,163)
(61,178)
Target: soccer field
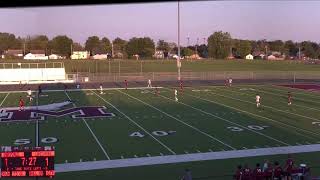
(135,127)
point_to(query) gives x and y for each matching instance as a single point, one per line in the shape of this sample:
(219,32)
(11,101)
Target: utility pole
(112,52)
(197,45)
(178,60)
(204,40)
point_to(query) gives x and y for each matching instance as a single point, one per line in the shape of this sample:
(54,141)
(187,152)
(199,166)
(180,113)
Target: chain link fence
(261,76)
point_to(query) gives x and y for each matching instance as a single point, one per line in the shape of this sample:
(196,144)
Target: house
(271,57)
(249,56)
(101,56)
(55,56)
(13,53)
(42,52)
(31,56)
(276,57)
(193,56)
(80,55)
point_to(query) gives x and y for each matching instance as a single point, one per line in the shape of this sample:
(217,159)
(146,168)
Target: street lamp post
(178,59)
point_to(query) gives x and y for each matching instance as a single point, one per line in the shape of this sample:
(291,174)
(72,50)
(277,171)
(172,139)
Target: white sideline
(131,162)
(71,90)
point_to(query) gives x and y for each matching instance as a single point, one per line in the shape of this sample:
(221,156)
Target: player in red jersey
(268,173)
(257,173)
(277,171)
(288,167)
(156,91)
(246,173)
(181,86)
(21,104)
(126,84)
(289,98)
(238,174)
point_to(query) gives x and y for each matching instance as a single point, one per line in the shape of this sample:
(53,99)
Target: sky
(254,20)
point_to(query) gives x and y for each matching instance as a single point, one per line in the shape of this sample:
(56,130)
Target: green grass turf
(202,120)
(133,66)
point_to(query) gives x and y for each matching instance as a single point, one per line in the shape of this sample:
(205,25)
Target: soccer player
(21,104)
(238,173)
(101,89)
(78,86)
(29,95)
(257,173)
(277,171)
(230,82)
(268,172)
(246,173)
(289,98)
(288,167)
(258,98)
(176,95)
(156,91)
(126,84)
(181,86)
(149,83)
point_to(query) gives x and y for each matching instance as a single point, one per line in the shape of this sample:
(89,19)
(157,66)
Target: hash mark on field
(135,156)
(298,144)
(210,150)
(161,154)
(122,157)
(256,147)
(308,142)
(148,155)
(186,152)
(244,148)
(198,151)
(66,161)
(94,159)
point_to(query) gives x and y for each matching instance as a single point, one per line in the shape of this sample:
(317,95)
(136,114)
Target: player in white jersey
(149,83)
(230,82)
(258,98)
(176,95)
(29,95)
(101,89)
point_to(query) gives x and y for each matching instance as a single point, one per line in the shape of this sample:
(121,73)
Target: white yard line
(4,99)
(94,136)
(194,128)
(223,119)
(161,143)
(284,124)
(314,119)
(169,159)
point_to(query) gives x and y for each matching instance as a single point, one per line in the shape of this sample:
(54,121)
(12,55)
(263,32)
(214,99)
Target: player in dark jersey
(181,85)
(277,171)
(268,173)
(126,84)
(246,173)
(156,91)
(257,173)
(21,104)
(289,98)
(288,167)
(238,174)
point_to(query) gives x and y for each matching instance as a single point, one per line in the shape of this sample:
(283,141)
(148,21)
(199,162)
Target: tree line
(219,45)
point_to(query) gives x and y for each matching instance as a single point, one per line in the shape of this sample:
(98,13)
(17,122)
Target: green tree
(106,45)
(185,51)
(203,51)
(242,47)
(310,49)
(61,45)
(77,47)
(144,47)
(119,46)
(163,46)
(277,45)
(39,42)
(93,45)
(219,44)
(8,41)
(291,48)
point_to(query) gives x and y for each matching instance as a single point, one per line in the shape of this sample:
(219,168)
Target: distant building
(276,57)
(249,56)
(193,56)
(80,55)
(101,56)
(13,53)
(31,56)
(55,56)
